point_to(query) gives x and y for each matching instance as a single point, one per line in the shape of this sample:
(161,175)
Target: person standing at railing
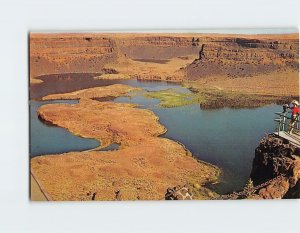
(295,112)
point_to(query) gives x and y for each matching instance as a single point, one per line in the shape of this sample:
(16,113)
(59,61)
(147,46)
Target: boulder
(178,193)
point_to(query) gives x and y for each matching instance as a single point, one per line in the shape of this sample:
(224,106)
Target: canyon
(258,65)
(234,71)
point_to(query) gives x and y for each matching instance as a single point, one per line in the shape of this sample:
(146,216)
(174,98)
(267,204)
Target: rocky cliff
(157,47)
(275,172)
(69,53)
(276,157)
(238,57)
(229,55)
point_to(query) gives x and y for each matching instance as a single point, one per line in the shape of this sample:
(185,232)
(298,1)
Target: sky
(190,30)
(251,30)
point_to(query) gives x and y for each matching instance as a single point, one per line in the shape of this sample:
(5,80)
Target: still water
(224,137)
(62,83)
(46,139)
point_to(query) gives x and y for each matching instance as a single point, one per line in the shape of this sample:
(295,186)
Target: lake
(62,83)
(224,137)
(48,139)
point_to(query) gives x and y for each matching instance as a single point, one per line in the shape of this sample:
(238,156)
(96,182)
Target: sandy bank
(96,92)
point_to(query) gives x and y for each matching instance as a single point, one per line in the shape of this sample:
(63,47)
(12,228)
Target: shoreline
(248,72)
(207,93)
(159,134)
(190,161)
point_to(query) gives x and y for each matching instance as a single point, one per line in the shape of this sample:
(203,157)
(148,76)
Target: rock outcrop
(70,53)
(276,157)
(244,57)
(178,193)
(229,55)
(275,172)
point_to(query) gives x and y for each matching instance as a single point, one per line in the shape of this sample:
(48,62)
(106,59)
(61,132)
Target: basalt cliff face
(275,172)
(157,47)
(242,57)
(277,160)
(229,55)
(69,53)
(222,47)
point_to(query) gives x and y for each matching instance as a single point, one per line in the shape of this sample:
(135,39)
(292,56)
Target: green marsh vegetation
(170,98)
(213,98)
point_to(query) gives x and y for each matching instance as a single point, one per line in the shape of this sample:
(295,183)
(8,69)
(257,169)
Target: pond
(46,139)
(62,83)
(224,137)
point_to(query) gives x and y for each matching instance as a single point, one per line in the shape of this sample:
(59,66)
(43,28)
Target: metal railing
(287,124)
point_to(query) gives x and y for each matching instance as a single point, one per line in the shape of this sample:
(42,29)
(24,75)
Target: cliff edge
(276,157)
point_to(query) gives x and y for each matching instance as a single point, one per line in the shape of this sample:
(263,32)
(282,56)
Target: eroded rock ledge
(275,172)
(276,157)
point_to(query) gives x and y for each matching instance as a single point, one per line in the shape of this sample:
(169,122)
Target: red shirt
(295,110)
